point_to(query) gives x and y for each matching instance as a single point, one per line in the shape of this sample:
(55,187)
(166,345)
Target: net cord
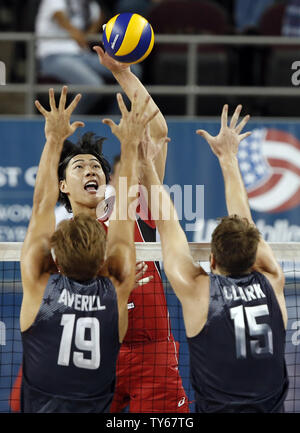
(151,251)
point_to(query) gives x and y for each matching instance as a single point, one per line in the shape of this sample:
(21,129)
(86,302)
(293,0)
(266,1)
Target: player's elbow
(121,263)
(163,130)
(169,267)
(280,277)
(43,202)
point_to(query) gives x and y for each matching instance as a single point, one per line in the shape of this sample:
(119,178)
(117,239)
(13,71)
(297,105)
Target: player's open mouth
(91,187)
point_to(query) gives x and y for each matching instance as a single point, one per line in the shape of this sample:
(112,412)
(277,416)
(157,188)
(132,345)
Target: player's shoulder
(202,281)
(275,281)
(198,287)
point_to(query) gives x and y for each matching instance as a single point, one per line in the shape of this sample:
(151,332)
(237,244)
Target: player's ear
(102,269)
(212,261)
(63,186)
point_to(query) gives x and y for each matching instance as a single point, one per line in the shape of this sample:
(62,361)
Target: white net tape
(151,251)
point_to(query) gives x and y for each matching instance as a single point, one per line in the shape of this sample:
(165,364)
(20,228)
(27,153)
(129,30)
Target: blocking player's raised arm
(179,265)
(42,222)
(225,146)
(131,84)
(121,256)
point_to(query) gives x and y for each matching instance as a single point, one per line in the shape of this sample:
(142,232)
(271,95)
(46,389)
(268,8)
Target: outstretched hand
(113,65)
(58,118)
(150,148)
(226,143)
(133,123)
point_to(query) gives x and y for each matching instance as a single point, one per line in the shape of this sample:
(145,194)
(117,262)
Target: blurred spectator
(108,6)
(228,5)
(247,14)
(291,19)
(70,61)
(138,6)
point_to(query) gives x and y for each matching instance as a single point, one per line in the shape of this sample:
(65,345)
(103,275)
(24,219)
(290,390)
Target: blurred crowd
(73,61)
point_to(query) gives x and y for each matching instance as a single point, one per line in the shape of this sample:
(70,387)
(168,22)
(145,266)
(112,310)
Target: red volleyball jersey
(148,316)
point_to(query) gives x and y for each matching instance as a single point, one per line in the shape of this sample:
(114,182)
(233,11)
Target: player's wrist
(55,138)
(129,147)
(122,73)
(228,160)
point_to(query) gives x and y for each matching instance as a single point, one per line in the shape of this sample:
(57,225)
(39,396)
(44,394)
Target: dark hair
(117,159)
(79,246)
(89,143)
(234,244)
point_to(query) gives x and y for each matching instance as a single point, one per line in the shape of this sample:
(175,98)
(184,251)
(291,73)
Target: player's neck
(80,209)
(224,273)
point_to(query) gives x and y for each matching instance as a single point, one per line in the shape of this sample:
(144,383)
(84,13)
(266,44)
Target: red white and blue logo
(269,161)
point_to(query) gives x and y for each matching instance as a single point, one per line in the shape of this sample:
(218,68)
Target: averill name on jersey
(80,302)
(249,293)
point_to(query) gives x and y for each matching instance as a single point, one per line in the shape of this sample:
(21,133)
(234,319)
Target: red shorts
(148,379)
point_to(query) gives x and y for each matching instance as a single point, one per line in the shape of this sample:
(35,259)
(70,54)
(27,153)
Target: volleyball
(128,38)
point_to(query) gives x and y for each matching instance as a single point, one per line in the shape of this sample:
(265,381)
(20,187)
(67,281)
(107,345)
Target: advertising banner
(269,162)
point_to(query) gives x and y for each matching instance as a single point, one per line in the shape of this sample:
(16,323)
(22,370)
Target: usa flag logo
(269,161)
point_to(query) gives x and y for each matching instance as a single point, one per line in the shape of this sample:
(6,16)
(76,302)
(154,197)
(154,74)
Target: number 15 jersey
(71,349)
(237,359)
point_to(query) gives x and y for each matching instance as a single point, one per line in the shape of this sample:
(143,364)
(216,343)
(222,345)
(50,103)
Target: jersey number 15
(258,330)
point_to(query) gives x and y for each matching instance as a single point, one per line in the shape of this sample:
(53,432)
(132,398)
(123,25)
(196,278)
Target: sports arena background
(263,77)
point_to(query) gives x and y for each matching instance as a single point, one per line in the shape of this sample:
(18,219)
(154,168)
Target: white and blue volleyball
(128,38)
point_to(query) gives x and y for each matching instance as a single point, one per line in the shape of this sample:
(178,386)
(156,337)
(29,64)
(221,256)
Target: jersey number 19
(91,345)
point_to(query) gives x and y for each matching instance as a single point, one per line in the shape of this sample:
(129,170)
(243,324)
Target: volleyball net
(288,254)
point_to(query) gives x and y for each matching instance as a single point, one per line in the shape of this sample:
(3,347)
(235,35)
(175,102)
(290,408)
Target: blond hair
(79,247)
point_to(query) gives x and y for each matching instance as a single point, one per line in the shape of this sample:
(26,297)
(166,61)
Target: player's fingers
(40,108)
(147,131)
(204,134)
(110,123)
(245,135)
(146,135)
(99,50)
(63,98)
(235,116)
(144,281)
(242,124)
(76,125)
(135,104)
(141,108)
(74,104)
(141,272)
(148,119)
(224,116)
(52,99)
(122,105)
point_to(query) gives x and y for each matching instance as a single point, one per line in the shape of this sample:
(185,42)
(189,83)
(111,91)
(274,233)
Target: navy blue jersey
(237,360)
(71,349)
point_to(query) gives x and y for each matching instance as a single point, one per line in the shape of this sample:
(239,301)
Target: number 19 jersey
(71,349)
(237,360)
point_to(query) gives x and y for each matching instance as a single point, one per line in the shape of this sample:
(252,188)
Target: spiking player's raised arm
(131,84)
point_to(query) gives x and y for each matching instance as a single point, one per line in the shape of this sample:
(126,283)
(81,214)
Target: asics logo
(181,402)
